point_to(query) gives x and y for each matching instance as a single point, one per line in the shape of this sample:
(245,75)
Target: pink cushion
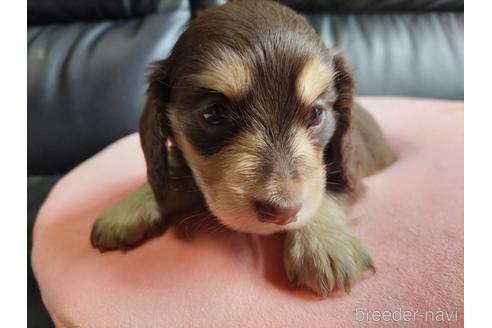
(411,221)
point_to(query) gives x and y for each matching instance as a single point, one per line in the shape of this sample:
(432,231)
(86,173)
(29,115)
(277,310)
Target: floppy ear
(339,157)
(154,130)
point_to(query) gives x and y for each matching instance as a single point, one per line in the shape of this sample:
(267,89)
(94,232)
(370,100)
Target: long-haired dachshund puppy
(262,113)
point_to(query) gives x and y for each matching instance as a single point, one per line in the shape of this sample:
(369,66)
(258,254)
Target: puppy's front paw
(128,222)
(323,263)
(110,231)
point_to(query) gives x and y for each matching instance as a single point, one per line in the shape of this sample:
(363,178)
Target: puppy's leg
(127,222)
(325,254)
(138,215)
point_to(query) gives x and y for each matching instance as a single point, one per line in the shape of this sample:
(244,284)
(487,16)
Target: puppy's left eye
(215,115)
(314,117)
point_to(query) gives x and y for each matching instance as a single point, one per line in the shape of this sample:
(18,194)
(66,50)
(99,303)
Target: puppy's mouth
(263,207)
(252,215)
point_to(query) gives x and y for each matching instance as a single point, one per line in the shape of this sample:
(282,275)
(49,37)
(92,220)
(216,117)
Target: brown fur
(264,66)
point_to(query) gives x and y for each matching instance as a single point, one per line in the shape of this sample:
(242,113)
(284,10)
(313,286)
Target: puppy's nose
(268,212)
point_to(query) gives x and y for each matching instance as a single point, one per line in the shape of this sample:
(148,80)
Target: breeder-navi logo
(404,315)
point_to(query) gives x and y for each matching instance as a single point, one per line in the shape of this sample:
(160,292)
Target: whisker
(333,172)
(334,183)
(183,221)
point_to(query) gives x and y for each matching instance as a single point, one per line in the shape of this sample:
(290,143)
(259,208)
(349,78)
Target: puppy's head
(258,106)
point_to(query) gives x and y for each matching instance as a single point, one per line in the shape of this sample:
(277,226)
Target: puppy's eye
(314,117)
(215,115)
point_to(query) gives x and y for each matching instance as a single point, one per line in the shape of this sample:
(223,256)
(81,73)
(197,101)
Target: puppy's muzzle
(271,213)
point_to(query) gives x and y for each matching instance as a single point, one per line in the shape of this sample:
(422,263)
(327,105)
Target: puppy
(262,117)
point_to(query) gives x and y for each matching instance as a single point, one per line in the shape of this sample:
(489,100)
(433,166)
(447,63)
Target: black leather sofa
(87,64)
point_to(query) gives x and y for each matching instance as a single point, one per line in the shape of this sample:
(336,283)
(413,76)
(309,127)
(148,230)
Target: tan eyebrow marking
(315,77)
(225,72)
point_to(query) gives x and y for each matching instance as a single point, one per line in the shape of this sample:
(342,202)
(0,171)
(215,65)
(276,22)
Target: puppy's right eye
(315,117)
(215,115)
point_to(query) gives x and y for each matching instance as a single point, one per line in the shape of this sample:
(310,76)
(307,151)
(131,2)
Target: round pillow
(411,220)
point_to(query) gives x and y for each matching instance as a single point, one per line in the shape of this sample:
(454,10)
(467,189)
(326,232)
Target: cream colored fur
(325,254)
(129,221)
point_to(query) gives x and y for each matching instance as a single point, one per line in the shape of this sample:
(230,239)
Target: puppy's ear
(154,130)
(342,173)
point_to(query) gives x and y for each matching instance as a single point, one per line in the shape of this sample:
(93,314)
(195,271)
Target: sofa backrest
(87,61)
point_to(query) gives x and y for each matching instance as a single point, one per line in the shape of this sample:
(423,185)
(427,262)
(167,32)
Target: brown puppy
(263,114)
